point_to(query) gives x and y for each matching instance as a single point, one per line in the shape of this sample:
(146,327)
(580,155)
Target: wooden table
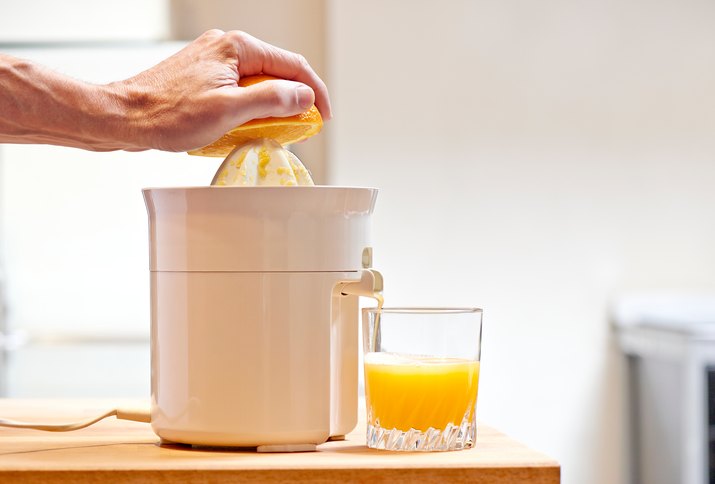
(121,451)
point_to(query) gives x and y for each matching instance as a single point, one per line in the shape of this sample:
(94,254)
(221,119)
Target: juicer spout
(369,285)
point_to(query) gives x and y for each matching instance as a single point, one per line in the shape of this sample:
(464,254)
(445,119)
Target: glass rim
(423,310)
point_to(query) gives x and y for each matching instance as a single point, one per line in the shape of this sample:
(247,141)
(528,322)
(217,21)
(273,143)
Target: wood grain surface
(121,451)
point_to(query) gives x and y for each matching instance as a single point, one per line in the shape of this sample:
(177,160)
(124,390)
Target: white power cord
(135,414)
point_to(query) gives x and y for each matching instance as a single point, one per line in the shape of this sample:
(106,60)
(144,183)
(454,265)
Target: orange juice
(418,392)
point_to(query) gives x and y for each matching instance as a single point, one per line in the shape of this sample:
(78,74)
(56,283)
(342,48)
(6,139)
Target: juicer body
(253,343)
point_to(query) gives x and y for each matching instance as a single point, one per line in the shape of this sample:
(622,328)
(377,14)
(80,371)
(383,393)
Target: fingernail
(305,97)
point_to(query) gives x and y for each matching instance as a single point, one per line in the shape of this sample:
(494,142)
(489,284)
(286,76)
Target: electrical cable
(134,414)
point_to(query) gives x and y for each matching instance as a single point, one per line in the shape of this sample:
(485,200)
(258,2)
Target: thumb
(277,98)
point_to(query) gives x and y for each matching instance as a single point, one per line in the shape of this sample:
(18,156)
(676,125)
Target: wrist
(128,112)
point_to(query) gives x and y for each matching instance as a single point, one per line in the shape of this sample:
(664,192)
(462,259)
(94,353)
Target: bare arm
(185,102)
(41,106)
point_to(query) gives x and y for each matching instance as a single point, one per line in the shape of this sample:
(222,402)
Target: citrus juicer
(254,312)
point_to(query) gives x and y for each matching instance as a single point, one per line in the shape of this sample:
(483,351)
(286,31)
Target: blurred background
(552,162)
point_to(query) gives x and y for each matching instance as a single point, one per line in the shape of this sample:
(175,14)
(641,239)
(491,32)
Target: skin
(185,102)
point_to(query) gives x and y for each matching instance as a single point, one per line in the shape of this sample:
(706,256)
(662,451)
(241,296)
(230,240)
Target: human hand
(192,98)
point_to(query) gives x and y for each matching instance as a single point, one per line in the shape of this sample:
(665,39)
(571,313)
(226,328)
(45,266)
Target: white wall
(48,21)
(74,248)
(73,258)
(536,159)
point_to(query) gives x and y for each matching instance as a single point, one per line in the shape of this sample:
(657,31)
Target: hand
(192,98)
(185,102)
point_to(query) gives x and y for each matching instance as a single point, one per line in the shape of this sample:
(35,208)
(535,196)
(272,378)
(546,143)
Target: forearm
(38,105)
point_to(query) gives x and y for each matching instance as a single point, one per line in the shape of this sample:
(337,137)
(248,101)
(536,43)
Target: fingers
(285,64)
(268,98)
(256,56)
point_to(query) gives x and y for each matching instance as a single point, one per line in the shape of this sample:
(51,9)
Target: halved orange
(287,130)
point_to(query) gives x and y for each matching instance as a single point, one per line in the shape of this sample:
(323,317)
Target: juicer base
(287,448)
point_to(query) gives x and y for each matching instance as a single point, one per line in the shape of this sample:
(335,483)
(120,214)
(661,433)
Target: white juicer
(254,312)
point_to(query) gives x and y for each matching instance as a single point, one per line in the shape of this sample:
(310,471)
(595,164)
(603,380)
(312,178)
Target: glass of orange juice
(421,377)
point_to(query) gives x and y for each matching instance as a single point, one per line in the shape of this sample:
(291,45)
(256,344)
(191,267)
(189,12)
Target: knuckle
(302,61)
(237,36)
(276,97)
(236,42)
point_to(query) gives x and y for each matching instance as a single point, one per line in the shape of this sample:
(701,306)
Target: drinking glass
(421,377)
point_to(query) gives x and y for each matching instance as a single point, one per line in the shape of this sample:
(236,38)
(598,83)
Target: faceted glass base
(451,438)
